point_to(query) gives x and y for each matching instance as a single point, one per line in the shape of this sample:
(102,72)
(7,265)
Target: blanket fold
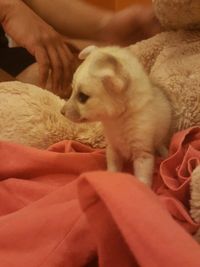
(152,236)
(60,207)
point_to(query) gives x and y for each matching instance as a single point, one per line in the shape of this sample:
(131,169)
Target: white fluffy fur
(111,86)
(32,116)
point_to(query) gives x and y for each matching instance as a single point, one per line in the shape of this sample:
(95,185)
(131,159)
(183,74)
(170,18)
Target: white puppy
(111,86)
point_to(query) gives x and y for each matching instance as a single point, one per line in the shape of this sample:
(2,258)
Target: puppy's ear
(86,51)
(110,70)
(113,83)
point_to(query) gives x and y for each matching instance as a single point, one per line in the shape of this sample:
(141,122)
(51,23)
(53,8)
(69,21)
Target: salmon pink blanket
(60,208)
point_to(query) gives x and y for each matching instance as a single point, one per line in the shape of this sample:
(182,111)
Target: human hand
(72,68)
(128,26)
(41,40)
(31,74)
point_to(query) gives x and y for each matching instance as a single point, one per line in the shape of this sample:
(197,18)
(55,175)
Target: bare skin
(39,38)
(78,19)
(43,31)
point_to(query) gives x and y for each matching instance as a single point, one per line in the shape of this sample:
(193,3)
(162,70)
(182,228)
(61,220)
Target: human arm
(78,19)
(28,30)
(75,19)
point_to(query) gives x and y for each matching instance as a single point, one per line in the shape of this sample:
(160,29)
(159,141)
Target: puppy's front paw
(113,168)
(114,160)
(146,181)
(143,168)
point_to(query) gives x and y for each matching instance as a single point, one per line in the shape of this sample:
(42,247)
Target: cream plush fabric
(32,116)
(172,60)
(178,14)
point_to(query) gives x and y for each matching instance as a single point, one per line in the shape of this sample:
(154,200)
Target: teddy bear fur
(172,60)
(32,116)
(178,14)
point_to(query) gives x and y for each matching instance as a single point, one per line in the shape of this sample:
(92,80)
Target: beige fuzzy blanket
(32,116)
(172,60)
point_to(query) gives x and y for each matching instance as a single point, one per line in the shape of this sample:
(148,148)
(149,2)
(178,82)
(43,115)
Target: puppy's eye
(82,98)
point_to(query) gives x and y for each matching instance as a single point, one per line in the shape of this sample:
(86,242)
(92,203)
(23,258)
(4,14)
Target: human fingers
(42,58)
(57,68)
(67,62)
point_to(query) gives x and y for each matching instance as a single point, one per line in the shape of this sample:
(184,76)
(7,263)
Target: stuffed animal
(172,60)
(32,116)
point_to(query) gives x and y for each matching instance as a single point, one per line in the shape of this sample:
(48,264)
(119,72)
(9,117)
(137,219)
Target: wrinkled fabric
(59,207)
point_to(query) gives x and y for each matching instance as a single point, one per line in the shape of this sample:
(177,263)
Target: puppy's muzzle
(71,112)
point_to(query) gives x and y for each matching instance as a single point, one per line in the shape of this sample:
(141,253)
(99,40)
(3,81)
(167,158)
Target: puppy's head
(98,87)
